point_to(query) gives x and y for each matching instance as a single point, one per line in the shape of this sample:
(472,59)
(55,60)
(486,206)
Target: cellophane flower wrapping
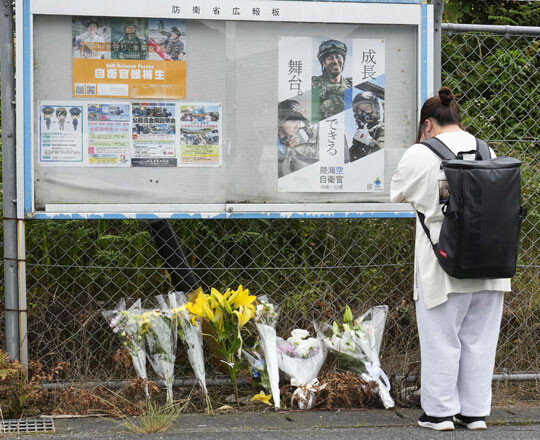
(125,323)
(357,344)
(191,336)
(300,357)
(160,333)
(257,367)
(266,316)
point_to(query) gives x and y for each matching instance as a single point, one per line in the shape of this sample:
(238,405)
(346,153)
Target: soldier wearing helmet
(291,118)
(131,46)
(367,115)
(293,131)
(173,46)
(331,83)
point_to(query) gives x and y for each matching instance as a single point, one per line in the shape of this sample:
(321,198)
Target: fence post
(9,182)
(437,16)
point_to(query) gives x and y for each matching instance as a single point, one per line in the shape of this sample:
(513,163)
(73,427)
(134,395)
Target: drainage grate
(28,425)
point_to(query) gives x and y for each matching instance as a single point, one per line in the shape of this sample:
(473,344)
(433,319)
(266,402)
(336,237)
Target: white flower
(303,350)
(300,333)
(357,322)
(295,340)
(347,339)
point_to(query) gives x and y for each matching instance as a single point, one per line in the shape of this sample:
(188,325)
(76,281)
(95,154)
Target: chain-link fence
(311,268)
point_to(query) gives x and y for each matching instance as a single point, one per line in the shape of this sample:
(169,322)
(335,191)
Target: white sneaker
(474,423)
(436,423)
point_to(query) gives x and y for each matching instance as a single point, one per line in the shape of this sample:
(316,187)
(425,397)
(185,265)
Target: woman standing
(458,319)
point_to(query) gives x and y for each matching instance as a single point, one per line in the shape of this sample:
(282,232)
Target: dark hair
(442,108)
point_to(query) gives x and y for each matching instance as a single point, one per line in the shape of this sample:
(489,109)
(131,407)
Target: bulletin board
(183,109)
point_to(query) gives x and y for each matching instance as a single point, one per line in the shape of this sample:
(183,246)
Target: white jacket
(416,181)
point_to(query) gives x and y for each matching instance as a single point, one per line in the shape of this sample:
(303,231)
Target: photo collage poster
(136,58)
(331,114)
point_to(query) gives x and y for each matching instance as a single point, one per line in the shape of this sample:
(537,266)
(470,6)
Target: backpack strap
(483,149)
(422,217)
(439,148)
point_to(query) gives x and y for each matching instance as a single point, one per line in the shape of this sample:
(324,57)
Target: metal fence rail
(311,268)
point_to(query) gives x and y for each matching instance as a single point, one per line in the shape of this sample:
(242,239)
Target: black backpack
(482,214)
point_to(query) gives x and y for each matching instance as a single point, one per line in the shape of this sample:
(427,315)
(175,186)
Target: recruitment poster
(200,134)
(109,134)
(129,58)
(153,132)
(60,134)
(331,114)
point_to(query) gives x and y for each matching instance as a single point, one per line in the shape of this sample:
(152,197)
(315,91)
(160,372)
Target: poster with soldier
(200,134)
(166,39)
(153,132)
(331,114)
(109,134)
(138,58)
(61,134)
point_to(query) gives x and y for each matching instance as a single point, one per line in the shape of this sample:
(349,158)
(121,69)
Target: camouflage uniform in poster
(331,85)
(331,95)
(173,45)
(130,46)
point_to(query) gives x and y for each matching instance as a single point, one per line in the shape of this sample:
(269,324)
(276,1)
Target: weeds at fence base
(157,417)
(508,393)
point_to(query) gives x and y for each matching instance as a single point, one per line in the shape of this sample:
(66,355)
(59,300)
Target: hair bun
(446,95)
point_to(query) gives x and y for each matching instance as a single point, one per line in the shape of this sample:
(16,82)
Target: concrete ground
(512,422)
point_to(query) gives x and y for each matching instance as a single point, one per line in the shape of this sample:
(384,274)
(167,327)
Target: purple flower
(287,348)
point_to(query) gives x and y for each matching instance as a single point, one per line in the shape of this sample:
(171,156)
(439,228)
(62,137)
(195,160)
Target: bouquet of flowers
(125,323)
(226,315)
(357,343)
(160,333)
(301,357)
(265,347)
(266,317)
(191,335)
(258,370)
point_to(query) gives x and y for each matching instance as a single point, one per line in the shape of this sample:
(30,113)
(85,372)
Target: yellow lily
(208,312)
(244,314)
(197,308)
(220,300)
(262,397)
(241,298)
(216,298)
(218,319)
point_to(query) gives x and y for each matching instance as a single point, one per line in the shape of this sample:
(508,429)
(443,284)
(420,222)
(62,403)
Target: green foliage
(515,13)
(496,79)
(15,387)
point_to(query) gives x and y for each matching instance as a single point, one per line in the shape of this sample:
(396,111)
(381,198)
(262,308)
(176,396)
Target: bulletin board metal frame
(383,12)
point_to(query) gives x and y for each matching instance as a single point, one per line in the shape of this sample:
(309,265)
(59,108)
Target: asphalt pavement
(519,423)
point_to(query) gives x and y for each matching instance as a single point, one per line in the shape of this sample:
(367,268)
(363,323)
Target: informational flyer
(153,132)
(331,114)
(129,58)
(200,134)
(109,134)
(60,134)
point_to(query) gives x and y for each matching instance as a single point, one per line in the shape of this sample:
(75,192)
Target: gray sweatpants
(458,341)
